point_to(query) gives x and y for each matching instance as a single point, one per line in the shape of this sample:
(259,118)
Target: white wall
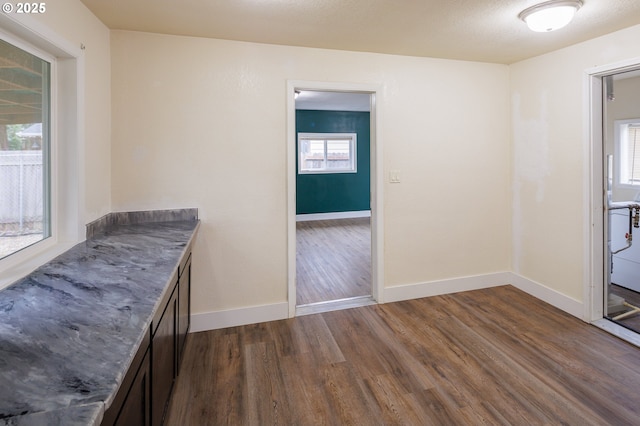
(202,123)
(71,20)
(492,158)
(549,122)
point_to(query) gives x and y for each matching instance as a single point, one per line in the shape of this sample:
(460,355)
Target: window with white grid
(627,135)
(25,177)
(327,153)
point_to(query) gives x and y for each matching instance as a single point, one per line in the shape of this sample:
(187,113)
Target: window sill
(22,263)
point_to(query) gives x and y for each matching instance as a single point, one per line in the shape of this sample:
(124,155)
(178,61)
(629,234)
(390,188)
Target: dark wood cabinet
(164,358)
(132,403)
(136,409)
(144,395)
(184,306)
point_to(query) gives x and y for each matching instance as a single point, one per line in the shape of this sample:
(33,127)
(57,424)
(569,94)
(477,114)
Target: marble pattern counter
(70,329)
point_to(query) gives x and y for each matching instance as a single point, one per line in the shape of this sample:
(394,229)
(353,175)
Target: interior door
(621,136)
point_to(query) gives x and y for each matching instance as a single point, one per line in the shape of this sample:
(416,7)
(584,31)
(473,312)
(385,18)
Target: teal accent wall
(340,192)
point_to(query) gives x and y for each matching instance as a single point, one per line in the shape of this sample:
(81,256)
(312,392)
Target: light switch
(394,176)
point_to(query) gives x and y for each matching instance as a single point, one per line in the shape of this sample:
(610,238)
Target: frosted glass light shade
(551,15)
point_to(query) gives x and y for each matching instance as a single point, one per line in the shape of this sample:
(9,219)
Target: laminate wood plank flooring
(333,259)
(491,356)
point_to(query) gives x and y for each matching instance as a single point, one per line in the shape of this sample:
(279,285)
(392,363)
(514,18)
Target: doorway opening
(621,154)
(613,287)
(334,219)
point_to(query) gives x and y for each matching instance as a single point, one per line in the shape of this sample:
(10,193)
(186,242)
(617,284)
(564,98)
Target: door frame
(594,289)
(377,223)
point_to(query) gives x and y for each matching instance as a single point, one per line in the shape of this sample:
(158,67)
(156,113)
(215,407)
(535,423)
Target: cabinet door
(184,308)
(132,403)
(163,360)
(136,408)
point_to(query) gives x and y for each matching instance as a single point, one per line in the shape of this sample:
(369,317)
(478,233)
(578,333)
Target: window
(627,136)
(25,190)
(326,153)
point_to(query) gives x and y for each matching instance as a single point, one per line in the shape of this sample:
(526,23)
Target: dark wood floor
(492,356)
(333,260)
(633,298)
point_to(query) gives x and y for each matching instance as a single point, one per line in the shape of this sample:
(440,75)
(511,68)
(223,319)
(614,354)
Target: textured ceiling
(477,30)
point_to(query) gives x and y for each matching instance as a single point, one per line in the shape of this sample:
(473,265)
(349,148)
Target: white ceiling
(476,30)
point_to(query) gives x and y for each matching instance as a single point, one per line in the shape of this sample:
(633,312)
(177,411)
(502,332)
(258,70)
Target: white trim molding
(241,316)
(593,201)
(447,286)
(278,311)
(561,301)
(477,282)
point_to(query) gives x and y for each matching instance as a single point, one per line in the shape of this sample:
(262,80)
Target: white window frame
(353,152)
(66,121)
(620,134)
(49,169)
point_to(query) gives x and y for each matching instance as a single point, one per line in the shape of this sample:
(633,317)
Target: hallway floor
(333,260)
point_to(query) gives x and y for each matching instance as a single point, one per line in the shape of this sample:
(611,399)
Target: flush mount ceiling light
(550,15)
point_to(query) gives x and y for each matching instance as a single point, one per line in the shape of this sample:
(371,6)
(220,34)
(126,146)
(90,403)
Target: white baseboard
(552,297)
(277,311)
(453,285)
(241,316)
(329,216)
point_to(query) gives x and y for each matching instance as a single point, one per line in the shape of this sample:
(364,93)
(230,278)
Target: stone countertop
(70,329)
